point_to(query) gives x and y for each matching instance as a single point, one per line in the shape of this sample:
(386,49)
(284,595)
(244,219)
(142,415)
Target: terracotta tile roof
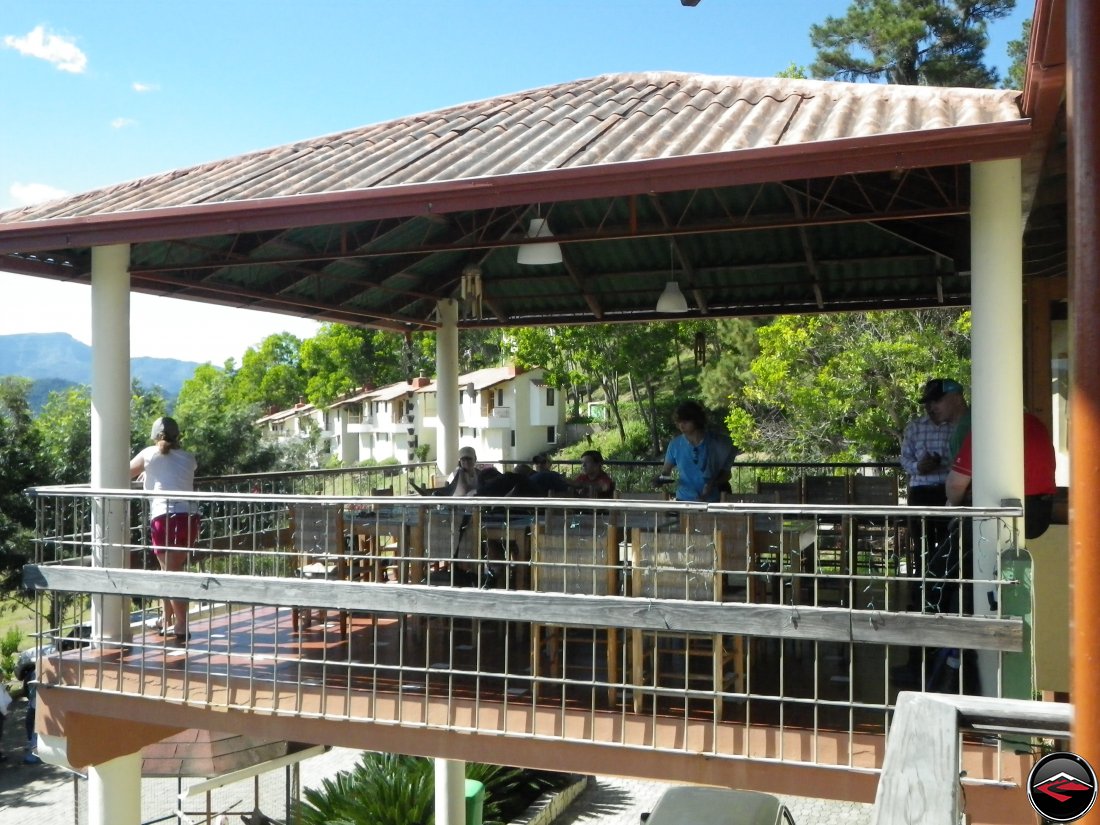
(601,120)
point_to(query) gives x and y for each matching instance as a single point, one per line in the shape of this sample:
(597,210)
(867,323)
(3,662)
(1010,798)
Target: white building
(505,413)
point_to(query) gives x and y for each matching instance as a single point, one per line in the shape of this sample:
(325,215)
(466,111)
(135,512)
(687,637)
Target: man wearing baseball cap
(944,399)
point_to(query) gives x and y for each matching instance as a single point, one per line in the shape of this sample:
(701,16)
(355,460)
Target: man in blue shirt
(701,458)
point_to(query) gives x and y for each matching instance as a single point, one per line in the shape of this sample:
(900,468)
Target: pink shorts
(174,530)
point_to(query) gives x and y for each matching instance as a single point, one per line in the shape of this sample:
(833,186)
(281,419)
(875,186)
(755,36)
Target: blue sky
(93,94)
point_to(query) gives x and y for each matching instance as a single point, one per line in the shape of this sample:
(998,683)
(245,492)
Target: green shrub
(9,647)
(391,789)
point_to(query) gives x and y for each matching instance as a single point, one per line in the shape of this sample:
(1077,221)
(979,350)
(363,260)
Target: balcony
(759,638)
(499,417)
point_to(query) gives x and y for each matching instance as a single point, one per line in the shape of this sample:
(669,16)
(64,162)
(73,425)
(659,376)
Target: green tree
(340,359)
(220,432)
(20,467)
(65,425)
(910,42)
(271,374)
(1017,53)
(733,346)
(842,387)
(609,357)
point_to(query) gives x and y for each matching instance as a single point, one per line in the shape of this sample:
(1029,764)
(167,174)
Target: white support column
(450,792)
(114,791)
(110,426)
(446,373)
(997,365)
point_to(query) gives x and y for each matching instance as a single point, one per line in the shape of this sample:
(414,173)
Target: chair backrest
(875,490)
(318,529)
(442,530)
(676,565)
(785,492)
(568,559)
(317,532)
(825,489)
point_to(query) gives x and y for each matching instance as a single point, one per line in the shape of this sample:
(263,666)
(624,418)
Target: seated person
(515,482)
(548,481)
(1039,483)
(593,482)
(464,480)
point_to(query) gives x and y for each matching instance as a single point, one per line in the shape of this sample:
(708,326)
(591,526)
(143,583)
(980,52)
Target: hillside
(59,359)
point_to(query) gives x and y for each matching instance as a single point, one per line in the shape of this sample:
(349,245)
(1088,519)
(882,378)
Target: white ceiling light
(539,254)
(672,300)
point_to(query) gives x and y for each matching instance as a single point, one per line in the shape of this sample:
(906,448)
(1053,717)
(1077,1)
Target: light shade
(672,299)
(539,254)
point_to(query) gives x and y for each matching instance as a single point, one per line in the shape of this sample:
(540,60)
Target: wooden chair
(751,548)
(831,552)
(876,538)
(320,552)
(574,558)
(682,564)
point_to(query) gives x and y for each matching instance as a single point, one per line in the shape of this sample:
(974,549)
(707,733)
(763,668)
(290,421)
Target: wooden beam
(833,624)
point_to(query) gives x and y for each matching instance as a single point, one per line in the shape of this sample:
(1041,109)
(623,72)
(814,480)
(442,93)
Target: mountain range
(55,360)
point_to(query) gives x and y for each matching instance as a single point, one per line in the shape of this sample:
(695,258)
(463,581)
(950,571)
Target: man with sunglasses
(701,458)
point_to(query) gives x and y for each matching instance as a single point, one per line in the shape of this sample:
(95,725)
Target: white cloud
(53,48)
(24,194)
(140,87)
(122,122)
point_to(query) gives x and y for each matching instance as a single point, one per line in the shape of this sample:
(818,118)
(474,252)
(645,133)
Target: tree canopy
(842,387)
(909,42)
(20,467)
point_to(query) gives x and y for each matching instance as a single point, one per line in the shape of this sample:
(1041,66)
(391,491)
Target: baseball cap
(937,388)
(165,427)
(467,452)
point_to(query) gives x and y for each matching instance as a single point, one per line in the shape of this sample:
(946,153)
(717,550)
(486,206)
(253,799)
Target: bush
(9,647)
(391,789)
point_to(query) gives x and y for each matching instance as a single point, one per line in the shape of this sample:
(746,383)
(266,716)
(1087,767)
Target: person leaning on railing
(174,523)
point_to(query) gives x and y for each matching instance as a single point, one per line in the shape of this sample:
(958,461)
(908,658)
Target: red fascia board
(940,147)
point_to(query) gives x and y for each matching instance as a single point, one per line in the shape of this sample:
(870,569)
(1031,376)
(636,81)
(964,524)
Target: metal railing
(630,476)
(735,630)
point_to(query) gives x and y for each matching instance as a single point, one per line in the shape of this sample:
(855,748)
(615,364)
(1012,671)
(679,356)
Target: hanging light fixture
(672,300)
(539,254)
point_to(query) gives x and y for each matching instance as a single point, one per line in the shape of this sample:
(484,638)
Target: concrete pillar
(110,427)
(446,371)
(450,792)
(114,791)
(997,384)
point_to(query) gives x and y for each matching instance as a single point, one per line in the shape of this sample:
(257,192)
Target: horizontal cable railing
(628,475)
(740,630)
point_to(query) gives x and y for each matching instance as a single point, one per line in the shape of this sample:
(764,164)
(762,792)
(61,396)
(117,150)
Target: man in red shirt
(1039,484)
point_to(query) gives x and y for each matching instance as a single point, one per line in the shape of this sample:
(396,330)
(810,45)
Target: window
(513,438)
(549,396)
(551,435)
